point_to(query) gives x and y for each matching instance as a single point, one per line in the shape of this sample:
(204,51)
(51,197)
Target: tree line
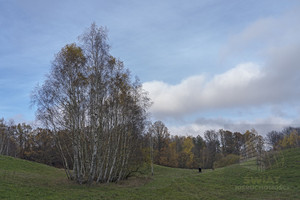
(22,141)
(216,148)
(157,145)
(287,138)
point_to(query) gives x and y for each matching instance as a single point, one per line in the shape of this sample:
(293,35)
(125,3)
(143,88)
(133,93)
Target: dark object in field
(199,169)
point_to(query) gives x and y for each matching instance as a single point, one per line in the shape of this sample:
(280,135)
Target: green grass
(20,179)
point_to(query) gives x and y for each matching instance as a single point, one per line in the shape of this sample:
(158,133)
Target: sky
(206,64)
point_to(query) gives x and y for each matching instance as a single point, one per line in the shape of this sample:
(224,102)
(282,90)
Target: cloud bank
(261,125)
(248,84)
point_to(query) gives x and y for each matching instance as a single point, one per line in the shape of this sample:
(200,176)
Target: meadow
(21,179)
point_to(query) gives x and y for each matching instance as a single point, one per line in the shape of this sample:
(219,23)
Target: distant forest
(216,149)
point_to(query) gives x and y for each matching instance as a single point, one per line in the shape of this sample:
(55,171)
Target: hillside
(20,179)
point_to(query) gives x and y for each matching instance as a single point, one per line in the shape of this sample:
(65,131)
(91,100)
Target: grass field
(20,179)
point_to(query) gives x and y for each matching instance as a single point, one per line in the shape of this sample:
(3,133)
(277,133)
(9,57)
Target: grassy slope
(20,179)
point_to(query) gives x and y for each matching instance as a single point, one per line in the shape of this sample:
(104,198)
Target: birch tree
(4,138)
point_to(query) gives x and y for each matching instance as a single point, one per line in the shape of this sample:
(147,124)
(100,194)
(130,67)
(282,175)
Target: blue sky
(206,64)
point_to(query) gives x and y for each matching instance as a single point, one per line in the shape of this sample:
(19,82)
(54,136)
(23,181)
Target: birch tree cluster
(94,109)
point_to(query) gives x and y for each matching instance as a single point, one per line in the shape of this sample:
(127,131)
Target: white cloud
(198,93)
(174,99)
(230,88)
